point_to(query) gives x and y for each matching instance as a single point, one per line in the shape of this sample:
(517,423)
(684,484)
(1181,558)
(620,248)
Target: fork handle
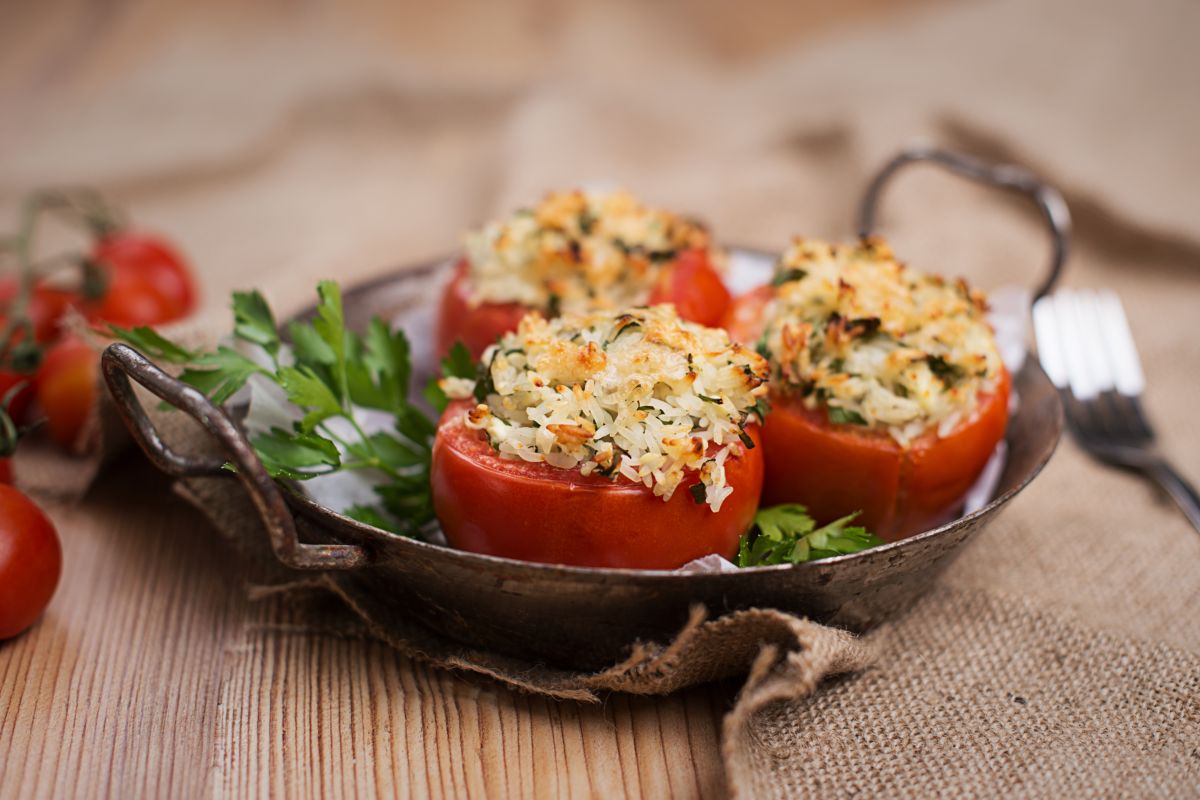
(1182,492)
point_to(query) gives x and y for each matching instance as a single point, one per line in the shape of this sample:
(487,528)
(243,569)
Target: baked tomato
(536,512)
(689,282)
(837,469)
(475,325)
(148,281)
(30,562)
(744,319)
(66,389)
(694,287)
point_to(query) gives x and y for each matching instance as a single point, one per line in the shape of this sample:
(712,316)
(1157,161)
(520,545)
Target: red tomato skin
(149,282)
(695,288)
(30,562)
(535,512)
(6,471)
(690,282)
(18,405)
(837,469)
(45,310)
(66,389)
(476,326)
(46,306)
(744,319)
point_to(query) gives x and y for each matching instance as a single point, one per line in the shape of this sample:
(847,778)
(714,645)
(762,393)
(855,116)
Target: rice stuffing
(578,251)
(877,344)
(639,394)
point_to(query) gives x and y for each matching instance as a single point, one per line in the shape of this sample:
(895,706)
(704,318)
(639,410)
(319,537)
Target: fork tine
(1118,339)
(1049,341)
(1091,341)
(1114,343)
(1071,327)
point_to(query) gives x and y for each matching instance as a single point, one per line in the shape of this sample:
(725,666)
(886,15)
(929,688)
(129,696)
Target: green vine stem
(84,207)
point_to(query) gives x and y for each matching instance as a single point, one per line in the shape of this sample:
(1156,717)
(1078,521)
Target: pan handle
(120,362)
(1005,176)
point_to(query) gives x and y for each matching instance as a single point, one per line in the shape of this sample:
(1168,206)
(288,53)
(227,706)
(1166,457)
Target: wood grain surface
(152,675)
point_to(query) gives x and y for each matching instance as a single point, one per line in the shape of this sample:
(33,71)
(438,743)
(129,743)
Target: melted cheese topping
(577,252)
(641,394)
(876,343)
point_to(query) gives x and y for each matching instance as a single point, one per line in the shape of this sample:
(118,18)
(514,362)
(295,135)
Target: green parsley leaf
(786,534)
(434,395)
(378,375)
(308,391)
(308,346)
(458,363)
(335,371)
(295,454)
(330,325)
(389,449)
(152,344)
(699,493)
(943,369)
(631,325)
(220,374)
(370,515)
(845,416)
(762,407)
(415,426)
(484,385)
(254,322)
(787,276)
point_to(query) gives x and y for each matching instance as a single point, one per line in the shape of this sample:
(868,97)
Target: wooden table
(152,675)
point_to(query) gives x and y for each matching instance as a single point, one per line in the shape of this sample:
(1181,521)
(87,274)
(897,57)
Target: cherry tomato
(45,310)
(30,562)
(536,512)
(6,471)
(66,390)
(148,281)
(18,404)
(837,469)
(690,282)
(46,306)
(695,288)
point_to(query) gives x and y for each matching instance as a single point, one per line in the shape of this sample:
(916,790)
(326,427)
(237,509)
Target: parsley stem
(371,461)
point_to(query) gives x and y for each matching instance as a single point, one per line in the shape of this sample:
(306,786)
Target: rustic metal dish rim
(430,266)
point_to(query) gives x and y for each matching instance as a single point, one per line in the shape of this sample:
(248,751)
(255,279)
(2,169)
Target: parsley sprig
(786,534)
(326,371)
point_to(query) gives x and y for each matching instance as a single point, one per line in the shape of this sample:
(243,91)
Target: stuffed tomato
(604,440)
(887,389)
(578,252)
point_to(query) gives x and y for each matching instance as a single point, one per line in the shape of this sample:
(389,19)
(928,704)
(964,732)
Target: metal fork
(1085,346)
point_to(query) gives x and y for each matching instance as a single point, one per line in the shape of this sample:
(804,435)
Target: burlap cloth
(1060,656)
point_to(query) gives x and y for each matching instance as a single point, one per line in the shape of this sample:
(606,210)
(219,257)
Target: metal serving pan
(572,616)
